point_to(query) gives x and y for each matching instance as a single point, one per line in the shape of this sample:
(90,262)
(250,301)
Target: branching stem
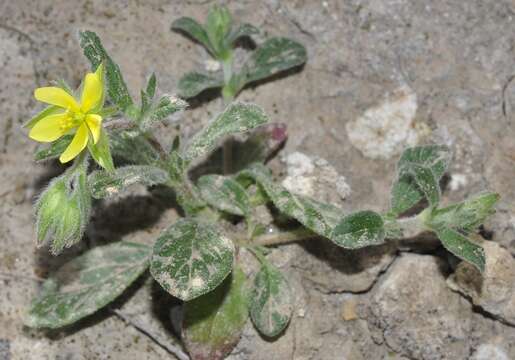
(409,227)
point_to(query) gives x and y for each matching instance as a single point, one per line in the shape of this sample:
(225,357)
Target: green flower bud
(63,211)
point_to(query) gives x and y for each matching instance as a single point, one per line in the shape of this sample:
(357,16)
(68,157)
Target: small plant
(197,258)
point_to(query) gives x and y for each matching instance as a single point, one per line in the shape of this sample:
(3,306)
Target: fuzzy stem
(410,228)
(284,237)
(227,98)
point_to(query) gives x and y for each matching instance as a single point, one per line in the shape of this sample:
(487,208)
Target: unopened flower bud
(63,211)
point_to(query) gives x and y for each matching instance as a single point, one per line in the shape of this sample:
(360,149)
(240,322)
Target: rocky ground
(382,74)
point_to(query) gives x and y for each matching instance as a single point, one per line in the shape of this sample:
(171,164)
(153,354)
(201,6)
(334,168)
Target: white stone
(314,177)
(384,130)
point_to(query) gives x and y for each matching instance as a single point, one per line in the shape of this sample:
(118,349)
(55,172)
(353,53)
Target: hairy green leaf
(316,216)
(88,283)
(134,149)
(165,107)
(273,56)
(435,157)
(467,215)
(237,118)
(151,86)
(193,83)
(101,151)
(191,258)
(425,180)
(213,323)
(218,26)
(405,192)
(224,194)
(271,301)
(462,247)
(96,54)
(195,30)
(54,150)
(104,184)
(243,30)
(359,229)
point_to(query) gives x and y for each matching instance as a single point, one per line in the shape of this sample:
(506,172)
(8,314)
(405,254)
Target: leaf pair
(218,35)
(213,323)
(419,172)
(353,231)
(275,55)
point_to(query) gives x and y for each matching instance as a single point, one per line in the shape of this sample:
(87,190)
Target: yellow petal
(49,128)
(92,90)
(56,96)
(79,142)
(94,123)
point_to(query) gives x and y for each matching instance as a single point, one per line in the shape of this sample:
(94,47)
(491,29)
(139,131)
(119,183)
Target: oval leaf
(96,54)
(193,29)
(425,180)
(360,229)
(462,247)
(318,217)
(467,215)
(273,56)
(193,83)
(191,258)
(271,301)
(104,184)
(237,118)
(225,194)
(405,193)
(213,323)
(88,283)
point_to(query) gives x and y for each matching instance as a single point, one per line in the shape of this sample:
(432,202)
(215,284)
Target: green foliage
(192,84)
(87,283)
(54,150)
(165,107)
(274,56)
(219,36)
(270,301)
(213,323)
(237,118)
(133,148)
(96,54)
(104,184)
(360,229)
(462,247)
(191,258)
(225,194)
(218,27)
(465,216)
(419,171)
(323,219)
(195,30)
(101,151)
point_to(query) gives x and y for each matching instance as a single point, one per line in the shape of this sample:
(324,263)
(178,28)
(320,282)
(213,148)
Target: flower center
(72,120)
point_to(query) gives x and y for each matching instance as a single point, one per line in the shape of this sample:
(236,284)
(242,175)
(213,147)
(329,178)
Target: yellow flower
(82,118)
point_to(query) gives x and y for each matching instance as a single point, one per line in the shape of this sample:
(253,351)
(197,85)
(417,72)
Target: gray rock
(494,290)
(418,315)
